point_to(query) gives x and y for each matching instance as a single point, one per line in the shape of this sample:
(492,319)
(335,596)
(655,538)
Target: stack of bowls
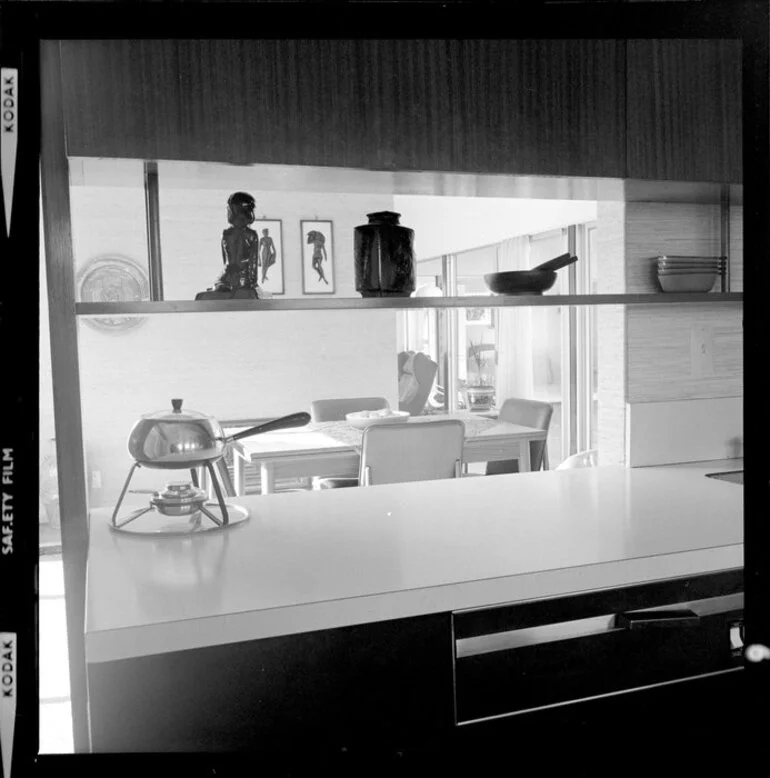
(688,274)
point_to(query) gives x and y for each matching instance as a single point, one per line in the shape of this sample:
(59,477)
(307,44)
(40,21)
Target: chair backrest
(529,413)
(581,459)
(425,451)
(336,409)
(424,369)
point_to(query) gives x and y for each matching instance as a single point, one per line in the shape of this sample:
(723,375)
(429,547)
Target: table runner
(351,436)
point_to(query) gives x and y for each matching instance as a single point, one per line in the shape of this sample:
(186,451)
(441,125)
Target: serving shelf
(349,303)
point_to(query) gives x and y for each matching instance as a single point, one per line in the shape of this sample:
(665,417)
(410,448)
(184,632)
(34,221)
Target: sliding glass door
(486,355)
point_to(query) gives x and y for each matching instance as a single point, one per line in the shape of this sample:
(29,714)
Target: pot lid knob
(176,404)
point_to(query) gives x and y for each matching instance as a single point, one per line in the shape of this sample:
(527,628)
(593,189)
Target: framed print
(270,254)
(317,257)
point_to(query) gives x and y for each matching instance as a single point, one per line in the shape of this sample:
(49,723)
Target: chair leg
(545,457)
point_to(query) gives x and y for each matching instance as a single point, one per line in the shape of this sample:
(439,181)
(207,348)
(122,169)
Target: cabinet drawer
(536,662)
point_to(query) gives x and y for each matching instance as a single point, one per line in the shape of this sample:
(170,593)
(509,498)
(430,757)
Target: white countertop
(707,466)
(315,560)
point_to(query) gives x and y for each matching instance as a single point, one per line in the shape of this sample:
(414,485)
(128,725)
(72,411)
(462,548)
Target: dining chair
(335,410)
(396,453)
(528,413)
(424,369)
(588,458)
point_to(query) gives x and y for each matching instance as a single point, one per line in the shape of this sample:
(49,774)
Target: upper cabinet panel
(542,107)
(684,110)
(507,106)
(532,107)
(237,101)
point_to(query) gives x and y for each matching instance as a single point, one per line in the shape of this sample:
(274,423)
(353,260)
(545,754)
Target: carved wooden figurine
(240,246)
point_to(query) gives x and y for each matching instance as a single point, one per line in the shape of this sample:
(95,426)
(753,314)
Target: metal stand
(136,514)
(223,522)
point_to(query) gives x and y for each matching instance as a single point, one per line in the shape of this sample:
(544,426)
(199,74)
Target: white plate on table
(364,419)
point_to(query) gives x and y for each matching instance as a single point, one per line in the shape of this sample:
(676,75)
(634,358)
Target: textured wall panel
(680,353)
(611,334)
(687,229)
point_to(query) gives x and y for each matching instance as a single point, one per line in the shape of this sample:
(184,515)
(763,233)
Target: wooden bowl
(520,281)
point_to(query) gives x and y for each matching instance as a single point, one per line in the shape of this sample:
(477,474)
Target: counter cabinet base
(698,725)
(396,689)
(387,684)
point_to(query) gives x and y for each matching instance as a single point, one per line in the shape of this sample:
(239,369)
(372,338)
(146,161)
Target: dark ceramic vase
(384,256)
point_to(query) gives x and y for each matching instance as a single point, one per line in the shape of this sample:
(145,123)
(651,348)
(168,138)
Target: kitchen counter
(316,560)
(704,467)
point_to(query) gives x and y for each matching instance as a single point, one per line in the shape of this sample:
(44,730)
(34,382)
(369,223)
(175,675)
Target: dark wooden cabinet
(234,101)
(384,686)
(495,106)
(655,109)
(684,110)
(512,106)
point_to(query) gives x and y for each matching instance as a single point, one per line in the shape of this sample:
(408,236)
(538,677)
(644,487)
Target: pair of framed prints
(317,243)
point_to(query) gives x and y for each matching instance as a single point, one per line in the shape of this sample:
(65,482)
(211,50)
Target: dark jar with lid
(384,257)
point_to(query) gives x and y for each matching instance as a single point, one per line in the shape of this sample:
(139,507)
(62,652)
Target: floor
(55,708)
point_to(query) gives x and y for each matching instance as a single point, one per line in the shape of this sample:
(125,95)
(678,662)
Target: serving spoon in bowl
(557,262)
(534,281)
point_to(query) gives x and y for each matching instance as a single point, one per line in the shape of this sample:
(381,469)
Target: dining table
(333,448)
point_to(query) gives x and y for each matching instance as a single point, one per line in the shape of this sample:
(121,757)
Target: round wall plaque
(113,280)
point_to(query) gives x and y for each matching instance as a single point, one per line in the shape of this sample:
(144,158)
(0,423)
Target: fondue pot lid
(176,414)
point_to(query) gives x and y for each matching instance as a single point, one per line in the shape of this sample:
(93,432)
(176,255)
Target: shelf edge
(401,303)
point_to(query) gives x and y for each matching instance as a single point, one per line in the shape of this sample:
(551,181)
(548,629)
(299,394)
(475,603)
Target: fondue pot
(180,439)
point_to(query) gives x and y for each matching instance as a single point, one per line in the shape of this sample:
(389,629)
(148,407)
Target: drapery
(515,373)
(421,324)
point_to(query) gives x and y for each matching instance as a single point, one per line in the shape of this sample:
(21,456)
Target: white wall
(193,219)
(243,365)
(232,366)
(684,431)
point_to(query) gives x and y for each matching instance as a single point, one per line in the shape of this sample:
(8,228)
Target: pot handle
(284,422)
(557,262)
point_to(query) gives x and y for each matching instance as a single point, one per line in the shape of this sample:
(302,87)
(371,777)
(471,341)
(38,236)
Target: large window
(487,355)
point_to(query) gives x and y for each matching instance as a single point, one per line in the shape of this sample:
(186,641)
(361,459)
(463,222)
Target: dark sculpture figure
(267,253)
(239,246)
(319,253)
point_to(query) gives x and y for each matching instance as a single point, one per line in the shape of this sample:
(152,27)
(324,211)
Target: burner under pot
(180,498)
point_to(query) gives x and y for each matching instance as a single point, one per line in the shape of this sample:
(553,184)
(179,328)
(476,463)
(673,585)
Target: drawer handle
(655,619)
